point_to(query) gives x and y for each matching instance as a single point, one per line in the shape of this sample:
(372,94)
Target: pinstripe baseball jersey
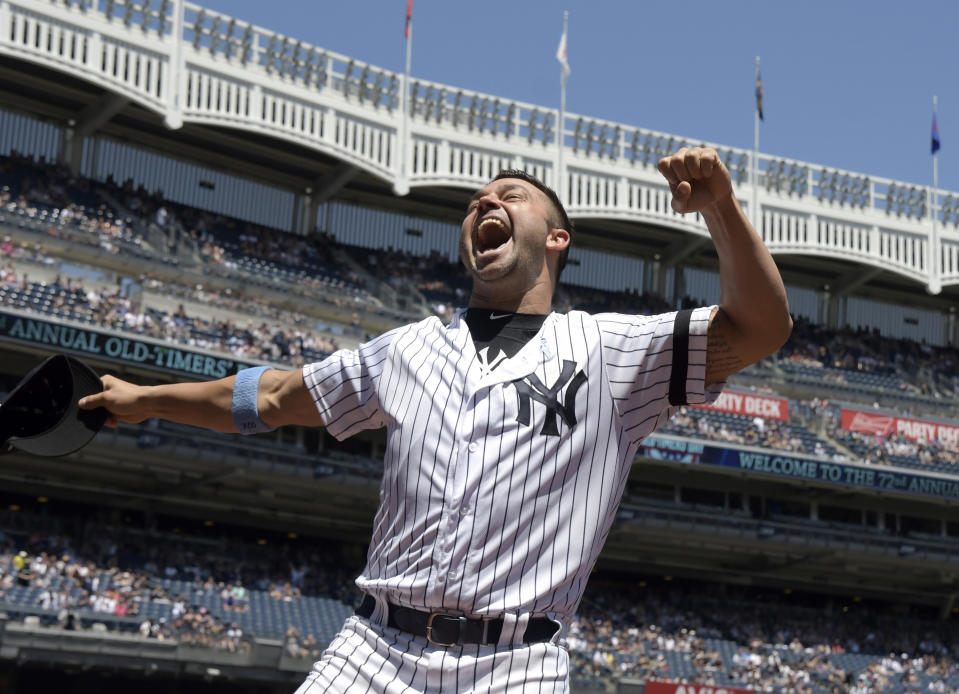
(501,484)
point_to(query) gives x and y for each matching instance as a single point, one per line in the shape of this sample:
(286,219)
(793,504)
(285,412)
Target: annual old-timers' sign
(115,347)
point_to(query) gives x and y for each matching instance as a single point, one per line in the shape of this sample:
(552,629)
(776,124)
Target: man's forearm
(281,399)
(753,297)
(207,405)
(753,318)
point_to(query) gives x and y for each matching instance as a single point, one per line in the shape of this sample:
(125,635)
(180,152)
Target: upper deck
(189,65)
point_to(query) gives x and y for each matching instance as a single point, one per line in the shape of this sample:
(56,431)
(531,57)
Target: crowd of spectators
(49,192)
(223,240)
(223,243)
(309,263)
(885,450)
(79,565)
(69,585)
(249,306)
(442,282)
(292,338)
(446,285)
(225,562)
(756,431)
(669,630)
(916,367)
(295,341)
(574,297)
(297,645)
(624,628)
(677,633)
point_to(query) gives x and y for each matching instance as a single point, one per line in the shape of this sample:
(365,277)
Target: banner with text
(86,341)
(765,406)
(786,465)
(657,687)
(913,429)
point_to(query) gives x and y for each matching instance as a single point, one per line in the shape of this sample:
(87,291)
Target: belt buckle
(429,628)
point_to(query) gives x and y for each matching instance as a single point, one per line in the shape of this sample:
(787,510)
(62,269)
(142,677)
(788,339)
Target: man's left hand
(697,178)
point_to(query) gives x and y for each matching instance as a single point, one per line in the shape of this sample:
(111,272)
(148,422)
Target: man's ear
(558,240)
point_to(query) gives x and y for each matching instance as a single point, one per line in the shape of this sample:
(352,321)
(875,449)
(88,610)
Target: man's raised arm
(753,318)
(281,399)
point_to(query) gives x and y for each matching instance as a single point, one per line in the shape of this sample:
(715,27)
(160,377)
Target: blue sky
(848,83)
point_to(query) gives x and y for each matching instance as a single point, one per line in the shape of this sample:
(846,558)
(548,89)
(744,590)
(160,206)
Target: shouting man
(510,434)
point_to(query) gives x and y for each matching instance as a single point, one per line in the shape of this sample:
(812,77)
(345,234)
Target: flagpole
(754,204)
(560,134)
(405,144)
(934,238)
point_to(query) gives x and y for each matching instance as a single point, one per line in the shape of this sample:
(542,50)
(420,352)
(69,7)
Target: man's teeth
(497,223)
(491,233)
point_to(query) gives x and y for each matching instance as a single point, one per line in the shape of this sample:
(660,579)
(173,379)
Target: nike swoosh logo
(493,316)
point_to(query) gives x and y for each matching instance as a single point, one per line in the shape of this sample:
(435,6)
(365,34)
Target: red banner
(655,687)
(912,429)
(764,406)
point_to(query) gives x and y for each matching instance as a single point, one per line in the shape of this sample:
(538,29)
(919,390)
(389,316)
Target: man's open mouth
(491,234)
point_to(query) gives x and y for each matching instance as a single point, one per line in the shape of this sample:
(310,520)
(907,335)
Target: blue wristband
(246,415)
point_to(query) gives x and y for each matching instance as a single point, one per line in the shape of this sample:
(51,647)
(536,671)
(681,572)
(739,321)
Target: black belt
(444,629)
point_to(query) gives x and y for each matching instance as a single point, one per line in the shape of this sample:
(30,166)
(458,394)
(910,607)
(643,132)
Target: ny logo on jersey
(486,366)
(531,388)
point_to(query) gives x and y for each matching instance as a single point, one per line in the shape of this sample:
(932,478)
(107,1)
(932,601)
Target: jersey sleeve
(344,387)
(655,364)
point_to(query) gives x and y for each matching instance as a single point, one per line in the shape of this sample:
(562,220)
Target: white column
(256,104)
(401,185)
(176,78)
(94,56)
(4,21)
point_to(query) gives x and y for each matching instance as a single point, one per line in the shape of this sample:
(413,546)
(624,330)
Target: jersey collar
(539,349)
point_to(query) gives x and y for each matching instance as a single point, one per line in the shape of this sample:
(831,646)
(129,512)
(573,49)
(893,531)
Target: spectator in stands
(621,630)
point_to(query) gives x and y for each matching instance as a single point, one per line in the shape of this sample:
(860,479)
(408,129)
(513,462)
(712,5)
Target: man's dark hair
(560,219)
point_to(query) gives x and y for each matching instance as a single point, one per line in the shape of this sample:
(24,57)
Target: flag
(935,134)
(409,18)
(759,93)
(561,53)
